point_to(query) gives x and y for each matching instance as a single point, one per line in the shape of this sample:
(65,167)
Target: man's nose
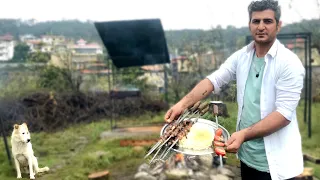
(28,140)
(261,26)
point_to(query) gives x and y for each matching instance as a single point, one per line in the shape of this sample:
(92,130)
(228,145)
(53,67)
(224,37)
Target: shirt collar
(272,51)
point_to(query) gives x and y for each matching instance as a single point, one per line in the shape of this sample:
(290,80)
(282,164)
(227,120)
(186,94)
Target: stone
(192,164)
(206,160)
(225,171)
(162,176)
(219,177)
(176,174)
(144,176)
(156,169)
(236,170)
(201,175)
(213,172)
(144,168)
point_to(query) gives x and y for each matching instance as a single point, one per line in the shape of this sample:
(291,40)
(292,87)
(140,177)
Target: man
(269,81)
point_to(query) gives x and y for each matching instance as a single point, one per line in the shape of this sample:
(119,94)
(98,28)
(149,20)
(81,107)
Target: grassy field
(77,151)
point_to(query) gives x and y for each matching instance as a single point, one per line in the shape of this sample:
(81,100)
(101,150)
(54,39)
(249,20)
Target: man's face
(263,26)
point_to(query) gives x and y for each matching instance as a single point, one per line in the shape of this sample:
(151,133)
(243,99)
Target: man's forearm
(200,91)
(270,124)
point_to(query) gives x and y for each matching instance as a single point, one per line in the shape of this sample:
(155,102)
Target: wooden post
(102,175)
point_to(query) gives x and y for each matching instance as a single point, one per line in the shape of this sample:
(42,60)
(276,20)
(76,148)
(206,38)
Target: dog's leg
(30,163)
(16,162)
(36,166)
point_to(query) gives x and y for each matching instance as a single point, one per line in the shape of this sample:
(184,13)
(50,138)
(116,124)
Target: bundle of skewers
(177,130)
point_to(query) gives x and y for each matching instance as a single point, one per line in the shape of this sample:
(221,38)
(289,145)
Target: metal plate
(208,124)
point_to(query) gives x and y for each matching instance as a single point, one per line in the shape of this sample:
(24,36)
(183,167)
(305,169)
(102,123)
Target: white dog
(22,152)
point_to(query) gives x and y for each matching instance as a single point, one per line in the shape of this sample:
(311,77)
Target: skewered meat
(220,151)
(219,132)
(219,138)
(218,144)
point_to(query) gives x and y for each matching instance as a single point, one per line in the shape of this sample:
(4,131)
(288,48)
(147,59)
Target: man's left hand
(235,141)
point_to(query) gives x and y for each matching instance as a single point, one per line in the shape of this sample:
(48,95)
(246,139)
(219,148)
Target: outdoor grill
(171,134)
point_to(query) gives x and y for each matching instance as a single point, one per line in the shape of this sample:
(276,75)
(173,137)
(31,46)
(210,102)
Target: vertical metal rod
(310,86)
(165,83)
(306,81)
(5,141)
(216,112)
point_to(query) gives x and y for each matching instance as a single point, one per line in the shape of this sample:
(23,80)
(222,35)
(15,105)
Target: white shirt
(281,87)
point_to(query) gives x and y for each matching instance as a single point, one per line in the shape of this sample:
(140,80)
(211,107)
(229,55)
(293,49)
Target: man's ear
(279,26)
(16,126)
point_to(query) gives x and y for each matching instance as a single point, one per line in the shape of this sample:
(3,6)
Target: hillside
(182,39)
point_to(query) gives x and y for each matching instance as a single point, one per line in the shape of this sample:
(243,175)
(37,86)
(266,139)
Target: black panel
(134,42)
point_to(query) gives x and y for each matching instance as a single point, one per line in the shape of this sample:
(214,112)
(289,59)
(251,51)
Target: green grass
(72,153)
(311,146)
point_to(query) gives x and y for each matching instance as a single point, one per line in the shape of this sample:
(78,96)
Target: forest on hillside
(183,40)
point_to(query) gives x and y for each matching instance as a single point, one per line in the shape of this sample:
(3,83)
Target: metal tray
(210,125)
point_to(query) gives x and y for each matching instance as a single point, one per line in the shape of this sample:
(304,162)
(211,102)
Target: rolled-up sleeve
(288,89)
(225,74)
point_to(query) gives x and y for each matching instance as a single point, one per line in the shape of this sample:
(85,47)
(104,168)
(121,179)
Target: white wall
(6,50)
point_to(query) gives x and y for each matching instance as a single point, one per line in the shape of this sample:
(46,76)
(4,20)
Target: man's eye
(255,21)
(268,21)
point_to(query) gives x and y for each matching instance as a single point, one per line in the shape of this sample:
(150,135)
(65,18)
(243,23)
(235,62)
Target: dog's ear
(25,124)
(16,126)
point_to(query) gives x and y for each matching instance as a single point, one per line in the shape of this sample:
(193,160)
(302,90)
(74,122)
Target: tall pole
(5,141)
(306,98)
(165,84)
(310,86)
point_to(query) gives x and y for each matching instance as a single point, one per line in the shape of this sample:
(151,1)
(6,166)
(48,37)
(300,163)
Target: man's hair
(264,5)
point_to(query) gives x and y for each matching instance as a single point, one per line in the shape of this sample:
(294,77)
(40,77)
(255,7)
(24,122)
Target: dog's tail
(44,169)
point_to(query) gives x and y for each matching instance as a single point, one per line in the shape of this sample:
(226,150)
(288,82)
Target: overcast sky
(174,14)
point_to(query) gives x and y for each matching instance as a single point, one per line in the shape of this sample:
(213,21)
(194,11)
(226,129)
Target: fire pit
(181,166)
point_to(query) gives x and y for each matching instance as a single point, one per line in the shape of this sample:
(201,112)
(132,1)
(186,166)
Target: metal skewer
(168,150)
(160,149)
(215,112)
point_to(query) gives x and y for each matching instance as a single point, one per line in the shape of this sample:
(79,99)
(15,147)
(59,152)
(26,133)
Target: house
(52,39)
(84,54)
(154,76)
(6,47)
(49,42)
(181,64)
(83,48)
(27,37)
(34,44)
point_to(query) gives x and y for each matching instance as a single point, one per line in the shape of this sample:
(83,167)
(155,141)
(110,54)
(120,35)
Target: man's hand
(174,112)
(235,141)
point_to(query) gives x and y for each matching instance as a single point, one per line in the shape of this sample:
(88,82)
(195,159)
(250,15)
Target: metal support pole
(165,84)
(112,98)
(306,81)
(310,86)
(5,142)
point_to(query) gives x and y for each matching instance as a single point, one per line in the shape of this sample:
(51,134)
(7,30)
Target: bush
(48,111)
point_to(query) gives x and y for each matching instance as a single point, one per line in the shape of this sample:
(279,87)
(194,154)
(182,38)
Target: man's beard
(268,41)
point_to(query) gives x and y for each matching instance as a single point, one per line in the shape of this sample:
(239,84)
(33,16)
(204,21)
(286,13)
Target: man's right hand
(174,112)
